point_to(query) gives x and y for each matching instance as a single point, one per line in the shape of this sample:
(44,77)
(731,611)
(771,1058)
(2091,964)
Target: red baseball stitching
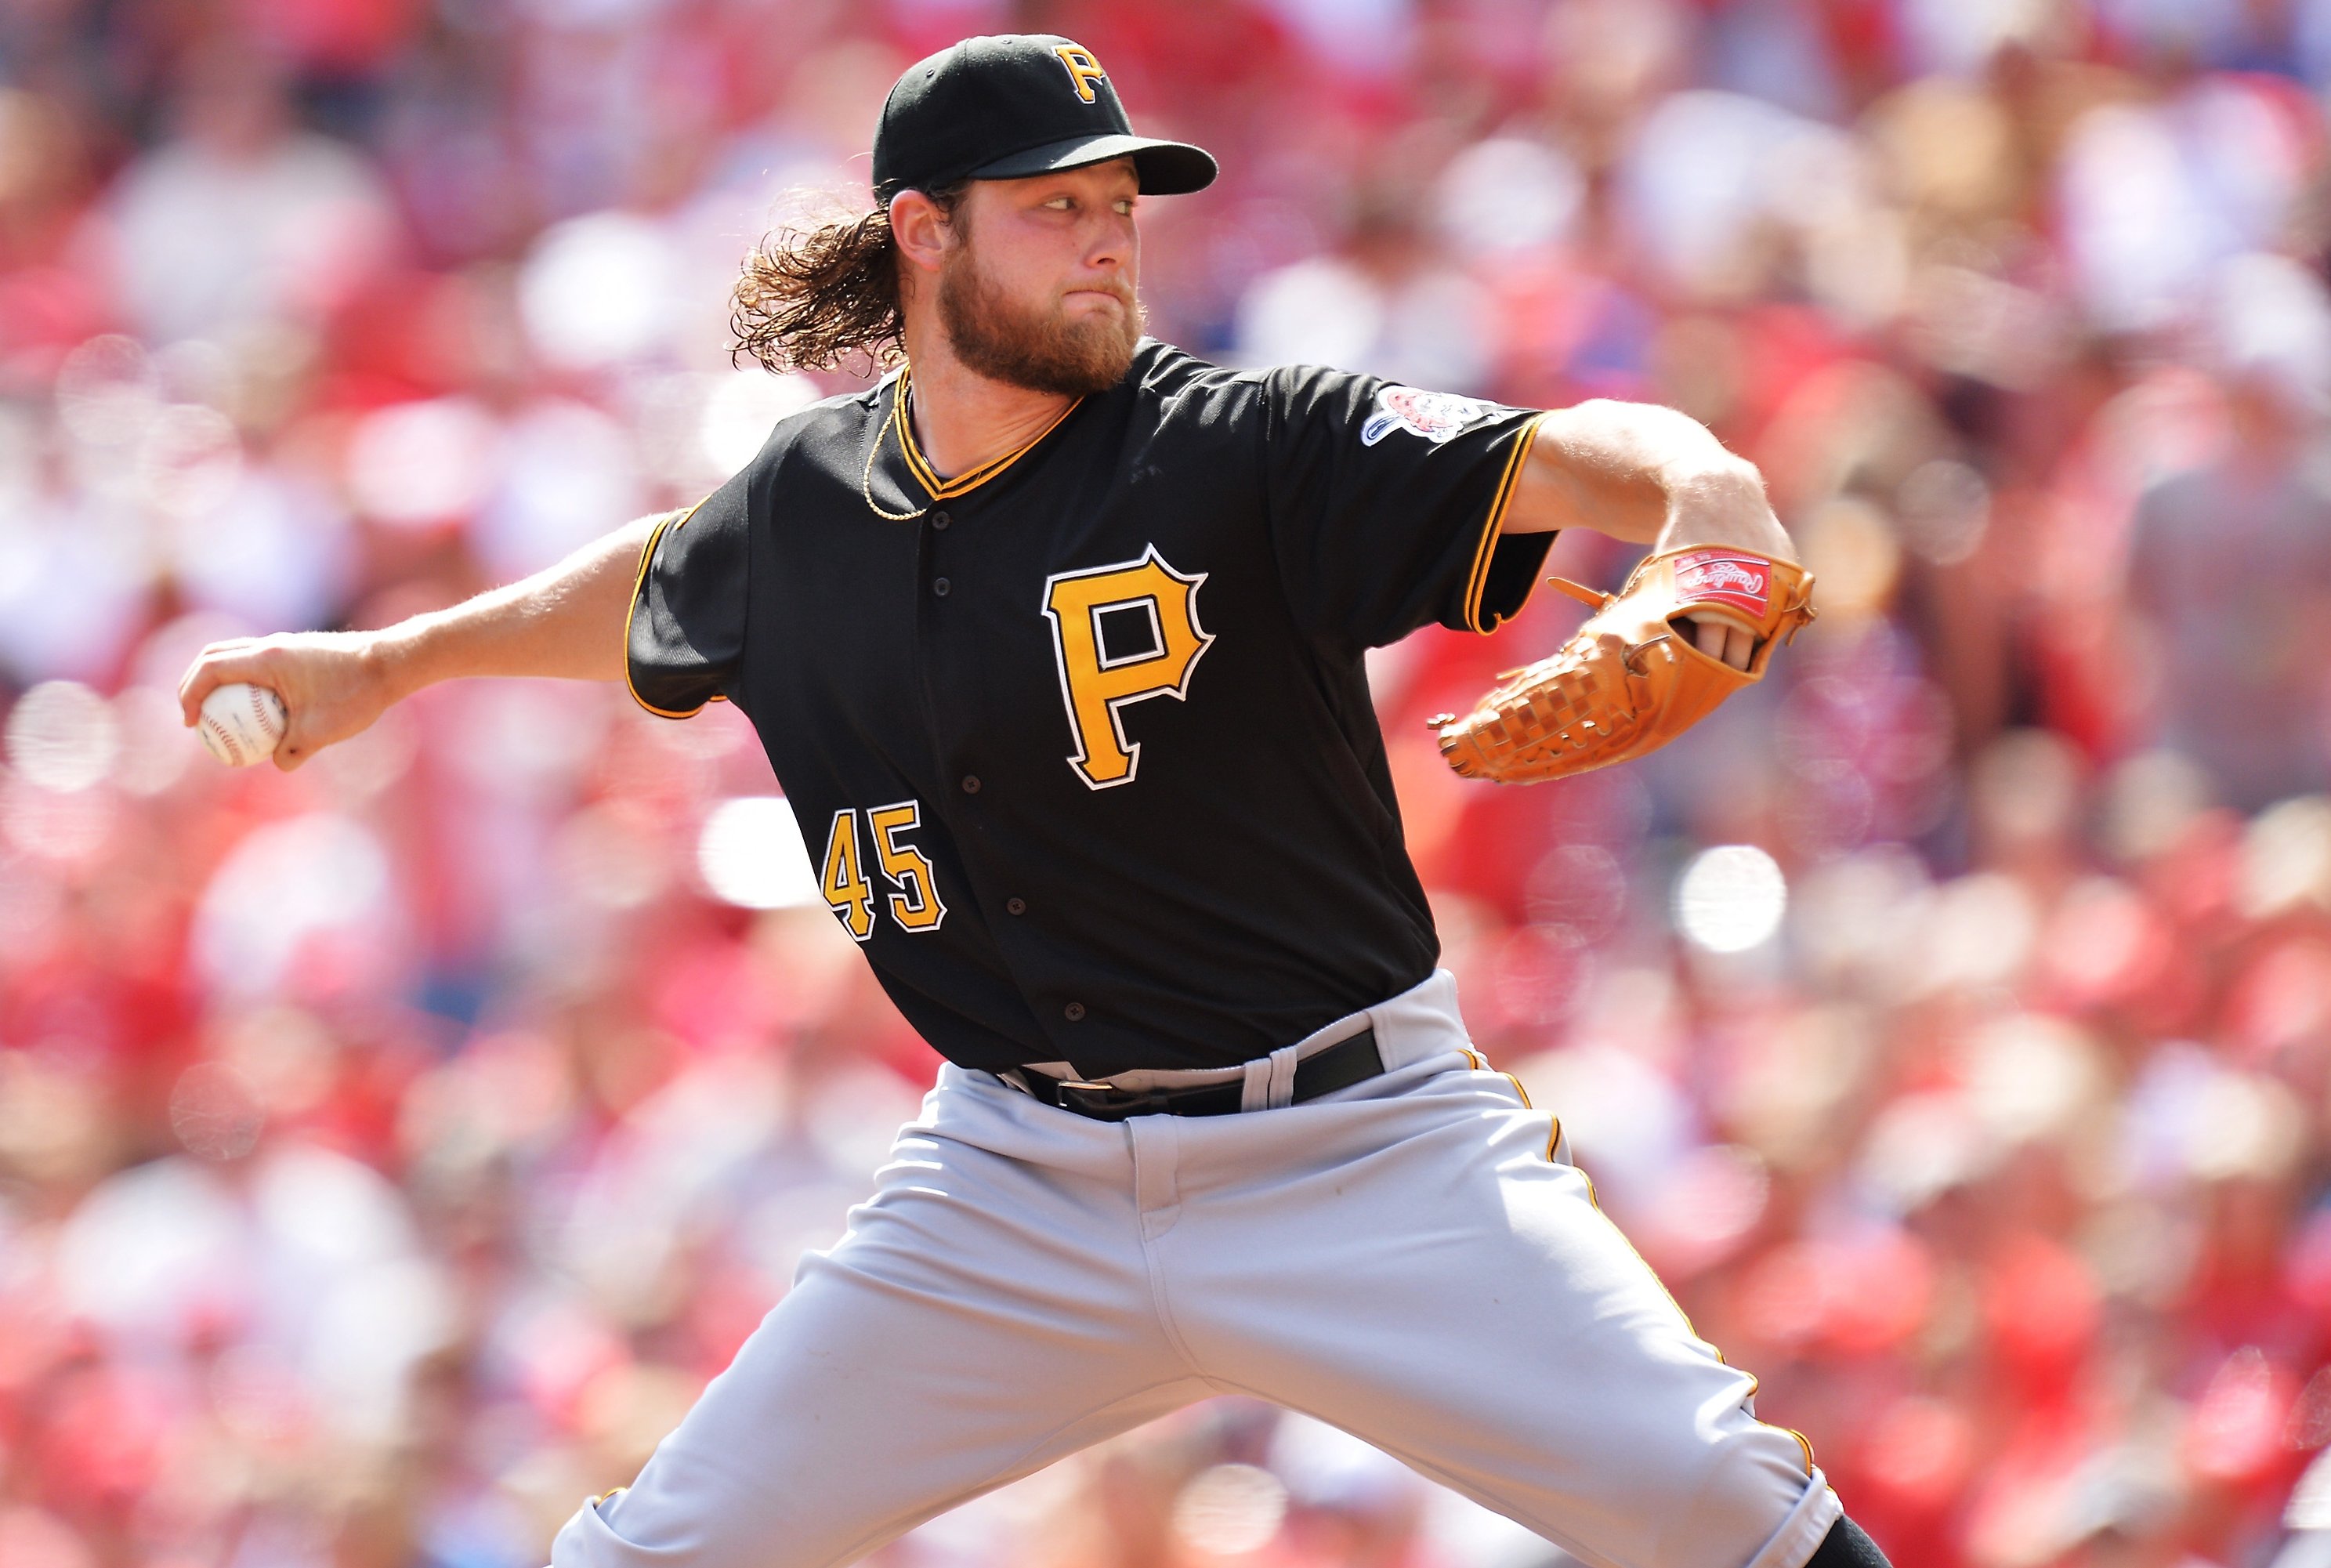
(225,738)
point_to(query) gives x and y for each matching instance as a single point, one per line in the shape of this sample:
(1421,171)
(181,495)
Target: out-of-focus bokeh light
(413,464)
(1944,510)
(2286,858)
(190,461)
(1920,1146)
(597,291)
(612,860)
(297,903)
(156,746)
(2029,1075)
(2148,802)
(2256,1127)
(1853,554)
(62,736)
(1978,931)
(1509,194)
(2237,1429)
(750,854)
(215,1113)
(569,476)
(68,831)
(107,391)
(1321,311)
(2274,321)
(1230,1510)
(740,410)
(1712,1201)
(1730,898)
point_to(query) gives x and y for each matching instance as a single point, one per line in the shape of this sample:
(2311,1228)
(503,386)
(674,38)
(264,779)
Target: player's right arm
(566,620)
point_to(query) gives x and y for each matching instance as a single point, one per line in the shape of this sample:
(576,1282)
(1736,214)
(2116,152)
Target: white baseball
(240,724)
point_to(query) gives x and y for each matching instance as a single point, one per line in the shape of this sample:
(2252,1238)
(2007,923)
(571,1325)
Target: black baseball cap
(1012,105)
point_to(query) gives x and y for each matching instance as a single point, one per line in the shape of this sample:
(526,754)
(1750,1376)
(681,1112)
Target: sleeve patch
(1435,415)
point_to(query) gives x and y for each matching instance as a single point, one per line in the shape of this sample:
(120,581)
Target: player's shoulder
(1174,386)
(1160,369)
(1171,378)
(1172,375)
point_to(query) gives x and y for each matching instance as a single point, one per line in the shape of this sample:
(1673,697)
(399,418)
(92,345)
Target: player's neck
(964,419)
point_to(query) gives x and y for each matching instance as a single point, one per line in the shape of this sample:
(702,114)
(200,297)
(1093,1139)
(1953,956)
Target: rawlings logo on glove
(1629,680)
(1740,580)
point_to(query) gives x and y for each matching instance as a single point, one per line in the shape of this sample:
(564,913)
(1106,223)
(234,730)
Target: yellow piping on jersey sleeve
(1478,582)
(638,581)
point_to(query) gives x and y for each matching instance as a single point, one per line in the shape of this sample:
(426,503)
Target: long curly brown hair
(815,298)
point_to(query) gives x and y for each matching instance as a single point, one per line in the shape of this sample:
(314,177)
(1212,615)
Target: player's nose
(1107,261)
(1112,245)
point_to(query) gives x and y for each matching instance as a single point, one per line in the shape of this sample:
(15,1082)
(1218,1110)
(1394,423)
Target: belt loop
(1254,1094)
(1281,1067)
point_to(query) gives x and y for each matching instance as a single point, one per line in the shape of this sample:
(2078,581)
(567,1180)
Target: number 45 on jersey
(849,893)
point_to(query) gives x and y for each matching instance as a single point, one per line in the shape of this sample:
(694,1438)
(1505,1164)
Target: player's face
(1041,293)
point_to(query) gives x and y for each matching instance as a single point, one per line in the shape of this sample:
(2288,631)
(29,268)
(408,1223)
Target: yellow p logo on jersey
(1083,69)
(1120,634)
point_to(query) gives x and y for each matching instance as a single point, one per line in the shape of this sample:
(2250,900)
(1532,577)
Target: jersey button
(1073,1011)
(940,519)
(1015,906)
(940,586)
(971,783)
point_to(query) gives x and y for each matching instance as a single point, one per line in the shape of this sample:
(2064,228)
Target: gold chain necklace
(866,479)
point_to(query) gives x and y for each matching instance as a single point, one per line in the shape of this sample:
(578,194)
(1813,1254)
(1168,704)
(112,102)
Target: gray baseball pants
(1412,1258)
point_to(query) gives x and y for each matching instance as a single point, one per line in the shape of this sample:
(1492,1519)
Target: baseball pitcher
(1054,640)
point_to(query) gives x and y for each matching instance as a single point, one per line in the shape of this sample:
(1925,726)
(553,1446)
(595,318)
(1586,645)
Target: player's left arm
(1647,475)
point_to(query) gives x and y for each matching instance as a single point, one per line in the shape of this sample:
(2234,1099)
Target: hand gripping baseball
(323,679)
(1629,680)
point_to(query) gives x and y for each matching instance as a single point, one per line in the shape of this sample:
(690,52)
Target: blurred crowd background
(390,1150)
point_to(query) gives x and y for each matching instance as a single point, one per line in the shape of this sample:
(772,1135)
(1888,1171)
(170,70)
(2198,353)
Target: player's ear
(919,229)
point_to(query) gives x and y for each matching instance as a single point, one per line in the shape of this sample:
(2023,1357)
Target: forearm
(1644,474)
(566,620)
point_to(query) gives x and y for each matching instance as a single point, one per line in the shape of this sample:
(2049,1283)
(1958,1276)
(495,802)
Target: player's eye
(1125,207)
(1062,204)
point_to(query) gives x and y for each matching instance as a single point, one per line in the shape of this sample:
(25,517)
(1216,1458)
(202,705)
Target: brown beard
(1027,348)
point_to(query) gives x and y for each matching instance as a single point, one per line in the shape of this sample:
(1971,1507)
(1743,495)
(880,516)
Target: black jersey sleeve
(1385,503)
(685,637)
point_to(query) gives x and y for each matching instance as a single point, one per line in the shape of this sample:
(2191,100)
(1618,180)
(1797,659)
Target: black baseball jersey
(1080,741)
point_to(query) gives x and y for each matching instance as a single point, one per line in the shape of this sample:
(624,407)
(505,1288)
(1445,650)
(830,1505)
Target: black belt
(1339,1066)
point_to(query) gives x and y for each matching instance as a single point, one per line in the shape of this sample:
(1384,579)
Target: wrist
(1721,501)
(1716,483)
(396,659)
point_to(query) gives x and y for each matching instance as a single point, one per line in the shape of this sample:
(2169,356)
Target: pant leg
(987,1312)
(1415,1267)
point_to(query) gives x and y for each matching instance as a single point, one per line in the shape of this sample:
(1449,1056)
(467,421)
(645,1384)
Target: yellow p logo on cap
(1083,69)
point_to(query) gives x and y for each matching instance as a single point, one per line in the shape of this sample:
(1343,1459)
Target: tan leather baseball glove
(1629,680)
